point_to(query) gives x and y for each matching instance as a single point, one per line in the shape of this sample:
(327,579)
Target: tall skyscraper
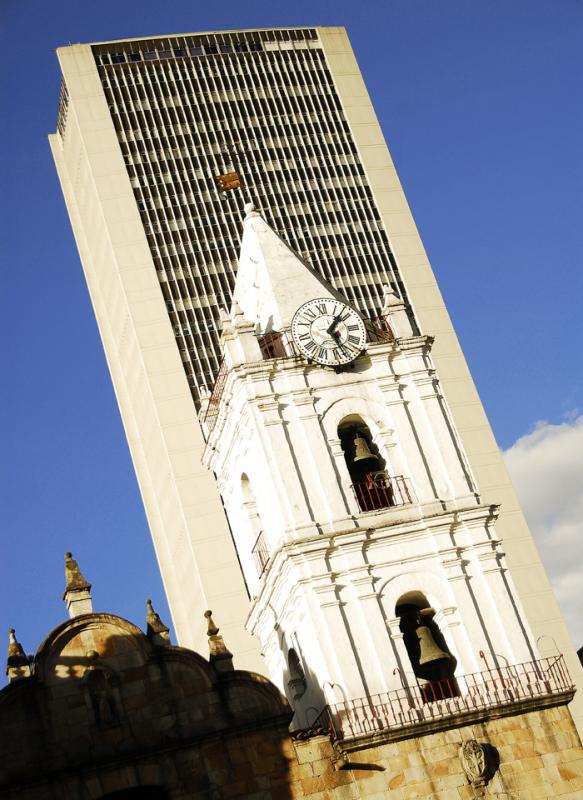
(160,143)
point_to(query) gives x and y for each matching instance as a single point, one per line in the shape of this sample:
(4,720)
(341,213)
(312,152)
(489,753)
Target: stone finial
(77,594)
(395,311)
(156,631)
(236,311)
(220,657)
(250,211)
(390,298)
(17,665)
(212,629)
(225,321)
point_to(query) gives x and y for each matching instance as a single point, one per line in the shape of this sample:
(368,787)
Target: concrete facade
(191,538)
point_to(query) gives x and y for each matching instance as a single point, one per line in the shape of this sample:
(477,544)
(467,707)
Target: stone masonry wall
(540,757)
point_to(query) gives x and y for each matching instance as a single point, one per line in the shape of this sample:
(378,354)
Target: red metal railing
(379,490)
(279,344)
(260,554)
(275,344)
(379,330)
(212,412)
(411,705)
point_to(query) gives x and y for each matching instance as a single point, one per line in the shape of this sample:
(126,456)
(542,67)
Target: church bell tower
(372,562)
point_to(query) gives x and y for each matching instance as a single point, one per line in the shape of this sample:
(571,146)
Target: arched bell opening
(372,486)
(429,654)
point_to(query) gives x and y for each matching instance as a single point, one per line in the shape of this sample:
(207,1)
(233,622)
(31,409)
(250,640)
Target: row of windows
(208,39)
(194,46)
(178,52)
(186,74)
(278,103)
(157,220)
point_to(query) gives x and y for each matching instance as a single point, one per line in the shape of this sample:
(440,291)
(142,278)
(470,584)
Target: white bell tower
(371,560)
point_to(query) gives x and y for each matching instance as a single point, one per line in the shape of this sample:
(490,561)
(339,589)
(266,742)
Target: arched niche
(296,682)
(374,414)
(258,545)
(250,505)
(361,453)
(427,649)
(370,478)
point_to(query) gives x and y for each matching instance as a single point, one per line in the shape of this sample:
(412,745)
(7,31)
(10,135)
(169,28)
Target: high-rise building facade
(261,107)
(159,144)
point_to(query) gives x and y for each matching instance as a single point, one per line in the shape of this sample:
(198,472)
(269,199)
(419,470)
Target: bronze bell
(435,664)
(362,451)
(429,650)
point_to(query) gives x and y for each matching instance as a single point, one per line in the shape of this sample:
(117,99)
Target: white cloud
(546,467)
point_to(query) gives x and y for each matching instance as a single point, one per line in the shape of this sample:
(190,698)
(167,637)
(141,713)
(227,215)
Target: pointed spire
(273,281)
(17,665)
(220,657)
(77,594)
(156,631)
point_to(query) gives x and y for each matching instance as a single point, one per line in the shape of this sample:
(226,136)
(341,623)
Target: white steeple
(272,280)
(370,555)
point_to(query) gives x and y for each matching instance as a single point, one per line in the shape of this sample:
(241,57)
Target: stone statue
(73,577)
(100,683)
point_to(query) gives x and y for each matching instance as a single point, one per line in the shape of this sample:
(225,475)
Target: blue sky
(479,102)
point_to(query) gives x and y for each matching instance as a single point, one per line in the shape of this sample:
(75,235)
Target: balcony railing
(379,490)
(379,330)
(276,344)
(413,705)
(260,554)
(279,344)
(212,412)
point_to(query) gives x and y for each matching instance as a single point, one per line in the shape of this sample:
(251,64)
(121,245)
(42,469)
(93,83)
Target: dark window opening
(272,345)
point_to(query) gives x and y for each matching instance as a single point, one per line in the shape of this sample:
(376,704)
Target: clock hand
(332,327)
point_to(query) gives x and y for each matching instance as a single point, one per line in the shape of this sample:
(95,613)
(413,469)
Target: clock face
(328,331)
